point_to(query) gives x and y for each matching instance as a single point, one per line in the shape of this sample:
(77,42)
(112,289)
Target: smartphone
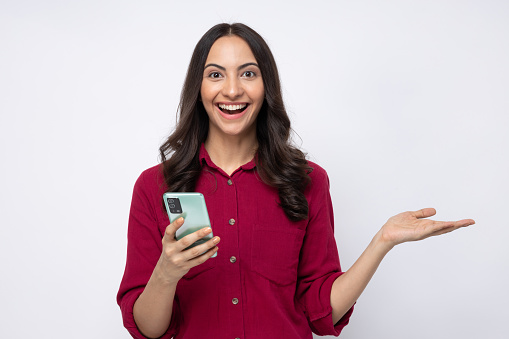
(191,206)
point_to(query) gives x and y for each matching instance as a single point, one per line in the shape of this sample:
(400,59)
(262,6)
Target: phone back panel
(193,210)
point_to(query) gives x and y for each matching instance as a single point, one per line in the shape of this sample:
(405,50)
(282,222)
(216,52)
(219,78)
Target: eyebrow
(238,68)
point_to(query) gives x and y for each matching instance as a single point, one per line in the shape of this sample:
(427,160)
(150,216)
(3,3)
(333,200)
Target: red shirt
(271,278)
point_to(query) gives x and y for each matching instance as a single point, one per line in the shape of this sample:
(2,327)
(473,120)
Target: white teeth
(232,107)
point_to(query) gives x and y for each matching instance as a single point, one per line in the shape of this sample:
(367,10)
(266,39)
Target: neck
(229,153)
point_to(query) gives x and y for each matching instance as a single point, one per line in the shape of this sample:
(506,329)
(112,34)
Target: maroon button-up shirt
(271,278)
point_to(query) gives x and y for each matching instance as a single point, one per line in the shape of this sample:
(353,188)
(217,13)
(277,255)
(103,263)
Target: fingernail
(208,230)
(216,240)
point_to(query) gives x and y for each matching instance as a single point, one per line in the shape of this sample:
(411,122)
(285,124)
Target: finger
(441,227)
(442,231)
(171,229)
(450,226)
(453,224)
(200,259)
(190,239)
(465,222)
(424,213)
(197,251)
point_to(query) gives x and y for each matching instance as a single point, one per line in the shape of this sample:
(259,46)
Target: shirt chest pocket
(275,252)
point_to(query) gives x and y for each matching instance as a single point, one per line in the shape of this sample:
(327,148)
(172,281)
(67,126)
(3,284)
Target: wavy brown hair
(279,163)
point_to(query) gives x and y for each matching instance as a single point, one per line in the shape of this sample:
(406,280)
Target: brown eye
(249,74)
(215,75)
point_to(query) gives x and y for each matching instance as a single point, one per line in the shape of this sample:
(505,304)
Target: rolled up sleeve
(144,248)
(319,264)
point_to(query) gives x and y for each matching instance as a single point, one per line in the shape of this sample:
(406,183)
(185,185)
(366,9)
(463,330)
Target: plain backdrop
(404,103)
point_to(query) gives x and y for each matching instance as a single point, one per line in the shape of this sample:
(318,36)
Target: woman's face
(232,88)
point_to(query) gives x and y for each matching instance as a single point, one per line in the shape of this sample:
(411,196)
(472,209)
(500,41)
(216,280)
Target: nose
(232,87)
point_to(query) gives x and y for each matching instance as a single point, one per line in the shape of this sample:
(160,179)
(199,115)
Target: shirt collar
(205,158)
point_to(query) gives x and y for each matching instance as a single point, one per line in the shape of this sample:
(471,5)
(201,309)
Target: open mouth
(232,109)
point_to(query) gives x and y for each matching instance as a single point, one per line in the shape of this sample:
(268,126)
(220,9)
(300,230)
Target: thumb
(424,213)
(171,229)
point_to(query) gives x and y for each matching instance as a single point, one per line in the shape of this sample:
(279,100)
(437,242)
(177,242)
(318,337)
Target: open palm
(411,226)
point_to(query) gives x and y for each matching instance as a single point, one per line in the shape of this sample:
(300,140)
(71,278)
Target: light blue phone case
(193,210)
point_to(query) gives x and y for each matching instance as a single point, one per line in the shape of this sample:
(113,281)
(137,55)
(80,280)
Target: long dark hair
(278,162)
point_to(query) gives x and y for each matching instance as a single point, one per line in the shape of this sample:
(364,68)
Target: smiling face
(232,90)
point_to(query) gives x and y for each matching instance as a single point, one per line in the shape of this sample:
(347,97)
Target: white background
(404,103)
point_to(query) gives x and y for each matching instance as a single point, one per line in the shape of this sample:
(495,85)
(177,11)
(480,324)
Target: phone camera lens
(172,205)
(171,200)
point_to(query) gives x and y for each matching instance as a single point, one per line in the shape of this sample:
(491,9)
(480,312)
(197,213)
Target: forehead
(230,50)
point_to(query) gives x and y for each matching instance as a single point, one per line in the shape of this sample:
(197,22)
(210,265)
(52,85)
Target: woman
(277,271)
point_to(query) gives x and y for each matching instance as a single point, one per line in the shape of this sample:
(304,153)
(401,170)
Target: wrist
(382,244)
(161,277)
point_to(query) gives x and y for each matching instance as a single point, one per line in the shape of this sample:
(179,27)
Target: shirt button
(235,301)
(233,259)
(231,221)
(230,182)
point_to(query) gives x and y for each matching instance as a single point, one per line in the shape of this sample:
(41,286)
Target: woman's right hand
(175,260)
(153,309)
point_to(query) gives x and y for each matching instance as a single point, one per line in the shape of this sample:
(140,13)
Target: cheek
(258,94)
(261,97)
(261,91)
(207,93)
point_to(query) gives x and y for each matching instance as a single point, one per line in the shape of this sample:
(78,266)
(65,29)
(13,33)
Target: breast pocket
(275,252)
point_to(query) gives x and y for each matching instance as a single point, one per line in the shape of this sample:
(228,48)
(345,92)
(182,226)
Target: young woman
(277,271)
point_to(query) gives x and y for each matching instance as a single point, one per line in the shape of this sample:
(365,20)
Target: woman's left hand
(411,226)
(407,226)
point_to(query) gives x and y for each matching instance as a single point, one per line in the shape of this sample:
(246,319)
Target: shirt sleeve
(319,260)
(144,248)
